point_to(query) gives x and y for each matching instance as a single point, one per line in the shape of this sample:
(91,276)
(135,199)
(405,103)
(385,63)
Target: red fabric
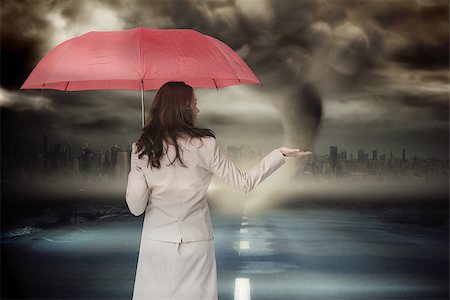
(121,59)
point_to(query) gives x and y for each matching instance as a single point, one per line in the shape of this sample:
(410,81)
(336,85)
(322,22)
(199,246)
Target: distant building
(86,161)
(53,161)
(122,165)
(113,153)
(361,156)
(333,158)
(76,168)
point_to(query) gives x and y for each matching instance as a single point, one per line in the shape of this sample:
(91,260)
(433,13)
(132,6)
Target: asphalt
(308,253)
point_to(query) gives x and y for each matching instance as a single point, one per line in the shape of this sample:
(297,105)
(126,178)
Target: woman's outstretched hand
(293,152)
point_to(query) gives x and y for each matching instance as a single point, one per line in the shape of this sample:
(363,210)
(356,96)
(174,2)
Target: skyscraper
(122,167)
(361,156)
(333,158)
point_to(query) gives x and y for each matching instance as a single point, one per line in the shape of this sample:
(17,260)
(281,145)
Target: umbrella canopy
(139,59)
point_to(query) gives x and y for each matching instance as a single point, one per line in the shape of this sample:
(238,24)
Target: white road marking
(244,230)
(242,289)
(244,245)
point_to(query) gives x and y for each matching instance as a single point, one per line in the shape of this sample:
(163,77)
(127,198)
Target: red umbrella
(139,59)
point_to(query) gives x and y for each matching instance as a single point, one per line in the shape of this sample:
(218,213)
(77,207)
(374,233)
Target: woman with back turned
(171,168)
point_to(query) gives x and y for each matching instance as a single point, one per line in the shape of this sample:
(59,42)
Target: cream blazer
(174,198)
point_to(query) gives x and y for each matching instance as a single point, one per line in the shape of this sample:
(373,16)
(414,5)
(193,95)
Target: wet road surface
(282,254)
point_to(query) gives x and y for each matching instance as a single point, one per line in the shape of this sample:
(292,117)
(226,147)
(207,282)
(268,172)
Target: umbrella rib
(59,58)
(223,56)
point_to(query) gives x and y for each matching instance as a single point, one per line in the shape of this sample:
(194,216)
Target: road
(283,254)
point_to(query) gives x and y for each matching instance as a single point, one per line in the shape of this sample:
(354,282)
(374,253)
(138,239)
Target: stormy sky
(353,74)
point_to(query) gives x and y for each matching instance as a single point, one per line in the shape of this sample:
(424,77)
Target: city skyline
(114,162)
(127,147)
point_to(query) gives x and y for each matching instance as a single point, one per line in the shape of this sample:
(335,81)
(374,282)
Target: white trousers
(176,271)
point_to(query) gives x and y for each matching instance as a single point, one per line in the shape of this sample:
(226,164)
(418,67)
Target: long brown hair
(170,117)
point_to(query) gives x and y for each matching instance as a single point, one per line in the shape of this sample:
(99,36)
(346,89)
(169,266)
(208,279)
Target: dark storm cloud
(23,31)
(423,56)
(25,34)
(434,107)
(204,16)
(289,25)
(422,27)
(70,11)
(307,50)
(79,117)
(24,129)
(100,125)
(215,120)
(28,121)
(333,14)
(441,78)
(432,100)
